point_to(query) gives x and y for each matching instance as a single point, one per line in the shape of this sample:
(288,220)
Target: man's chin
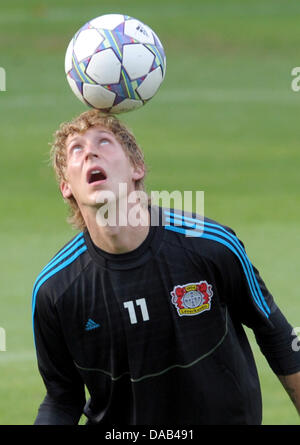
(102,198)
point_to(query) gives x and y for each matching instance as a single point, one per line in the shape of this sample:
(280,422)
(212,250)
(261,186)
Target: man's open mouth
(96,175)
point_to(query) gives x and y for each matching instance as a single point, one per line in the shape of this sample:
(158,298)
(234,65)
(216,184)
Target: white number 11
(141,302)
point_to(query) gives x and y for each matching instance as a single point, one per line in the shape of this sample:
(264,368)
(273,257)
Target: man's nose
(91,151)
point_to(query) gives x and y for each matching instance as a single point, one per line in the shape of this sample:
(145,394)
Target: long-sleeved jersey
(156,334)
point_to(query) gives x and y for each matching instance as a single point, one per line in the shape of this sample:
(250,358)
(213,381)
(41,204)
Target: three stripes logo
(91,324)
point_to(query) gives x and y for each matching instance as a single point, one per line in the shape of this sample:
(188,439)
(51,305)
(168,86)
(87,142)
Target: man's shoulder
(195,226)
(63,268)
(201,234)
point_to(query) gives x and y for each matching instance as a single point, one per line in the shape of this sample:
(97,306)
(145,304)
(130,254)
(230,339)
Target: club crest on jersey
(192,298)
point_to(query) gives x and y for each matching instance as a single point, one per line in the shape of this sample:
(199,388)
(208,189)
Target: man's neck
(118,239)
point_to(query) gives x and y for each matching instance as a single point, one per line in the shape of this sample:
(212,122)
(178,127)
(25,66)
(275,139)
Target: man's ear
(65,189)
(138,172)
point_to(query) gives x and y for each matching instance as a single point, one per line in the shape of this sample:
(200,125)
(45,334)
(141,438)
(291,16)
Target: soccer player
(148,316)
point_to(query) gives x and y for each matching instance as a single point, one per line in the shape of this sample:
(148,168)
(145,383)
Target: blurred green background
(225,121)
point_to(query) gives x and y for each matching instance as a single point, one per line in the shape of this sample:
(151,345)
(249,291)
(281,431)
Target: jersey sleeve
(250,303)
(65,396)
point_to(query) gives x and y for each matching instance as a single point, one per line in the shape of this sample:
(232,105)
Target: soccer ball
(115,63)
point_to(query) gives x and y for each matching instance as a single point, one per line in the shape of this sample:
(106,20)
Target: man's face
(96,162)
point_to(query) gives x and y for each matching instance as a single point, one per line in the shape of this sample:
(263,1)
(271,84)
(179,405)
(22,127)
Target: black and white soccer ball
(115,63)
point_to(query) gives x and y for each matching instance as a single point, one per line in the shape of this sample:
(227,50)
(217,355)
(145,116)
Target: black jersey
(155,334)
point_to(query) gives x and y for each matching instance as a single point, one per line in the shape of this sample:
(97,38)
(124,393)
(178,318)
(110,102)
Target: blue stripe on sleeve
(233,244)
(50,274)
(227,235)
(59,257)
(70,244)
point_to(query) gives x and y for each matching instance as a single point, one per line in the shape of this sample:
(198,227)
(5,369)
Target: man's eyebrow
(78,137)
(75,138)
(107,132)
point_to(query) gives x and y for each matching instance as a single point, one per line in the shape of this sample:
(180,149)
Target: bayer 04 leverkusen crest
(192,298)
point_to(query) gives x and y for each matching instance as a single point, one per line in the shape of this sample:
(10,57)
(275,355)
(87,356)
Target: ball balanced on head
(115,63)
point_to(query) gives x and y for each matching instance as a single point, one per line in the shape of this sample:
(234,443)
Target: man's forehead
(93,131)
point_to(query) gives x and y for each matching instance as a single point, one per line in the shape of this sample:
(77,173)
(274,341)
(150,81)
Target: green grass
(225,121)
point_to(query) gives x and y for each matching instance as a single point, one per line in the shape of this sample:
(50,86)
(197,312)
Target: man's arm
(276,345)
(65,398)
(291,384)
(273,332)
(52,413)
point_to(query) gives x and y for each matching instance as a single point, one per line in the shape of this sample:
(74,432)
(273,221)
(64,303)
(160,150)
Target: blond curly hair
(81,124)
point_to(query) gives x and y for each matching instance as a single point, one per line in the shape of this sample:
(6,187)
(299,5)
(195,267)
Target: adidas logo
(91,324)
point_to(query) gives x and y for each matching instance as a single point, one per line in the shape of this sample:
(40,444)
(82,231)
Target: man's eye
(76,149)
(104,141)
